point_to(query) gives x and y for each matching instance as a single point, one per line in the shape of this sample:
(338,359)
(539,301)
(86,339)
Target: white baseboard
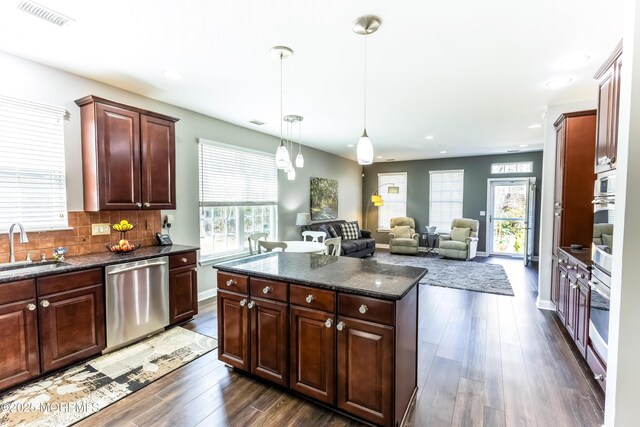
(484,254)
(382,245)
(209,293)
(545,304)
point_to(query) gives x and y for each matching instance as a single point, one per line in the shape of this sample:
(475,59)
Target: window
(446,190)
(238,196)
(515,167)
(32,174)
(395,203)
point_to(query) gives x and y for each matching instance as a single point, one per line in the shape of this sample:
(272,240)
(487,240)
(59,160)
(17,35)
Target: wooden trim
(574,114)
(92,98)
(609,62)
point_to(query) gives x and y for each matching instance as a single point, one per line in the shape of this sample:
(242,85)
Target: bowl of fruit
(123,246)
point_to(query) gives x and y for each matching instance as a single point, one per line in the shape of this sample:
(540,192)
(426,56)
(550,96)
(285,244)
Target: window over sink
(32,165)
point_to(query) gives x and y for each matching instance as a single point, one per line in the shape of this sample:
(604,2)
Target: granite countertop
(582,255)
(353,275)
(83,262)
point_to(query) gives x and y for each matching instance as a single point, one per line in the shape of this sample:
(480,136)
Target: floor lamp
(377,200)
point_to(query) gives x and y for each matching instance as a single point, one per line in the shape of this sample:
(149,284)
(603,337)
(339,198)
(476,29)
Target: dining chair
(315,236)
(270,246)
(332,246)
(253,242)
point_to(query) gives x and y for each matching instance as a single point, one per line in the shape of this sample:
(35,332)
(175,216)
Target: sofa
(403,238)
(356,248)
(462,242)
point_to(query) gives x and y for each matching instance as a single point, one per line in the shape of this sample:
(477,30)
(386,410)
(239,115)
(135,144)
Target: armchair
(462,243)
(403,238)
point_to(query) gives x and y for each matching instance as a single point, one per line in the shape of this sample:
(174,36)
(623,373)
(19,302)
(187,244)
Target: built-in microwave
(604,204)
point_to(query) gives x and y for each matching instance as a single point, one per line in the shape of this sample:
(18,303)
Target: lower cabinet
(233,330)
(269,342)
(183,287)
(581,336)
(572,299)
(563,293)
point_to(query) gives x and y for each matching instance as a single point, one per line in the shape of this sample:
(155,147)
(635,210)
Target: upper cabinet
(608,104)
(128,156)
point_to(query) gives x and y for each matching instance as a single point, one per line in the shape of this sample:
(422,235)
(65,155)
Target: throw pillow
(357,225)
(460,234)
(332,231)
(324,228)
(402,232)
(350,231)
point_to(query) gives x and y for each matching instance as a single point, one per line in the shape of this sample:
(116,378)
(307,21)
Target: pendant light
(299,158)
(364,26)
(291,120)
(282,154)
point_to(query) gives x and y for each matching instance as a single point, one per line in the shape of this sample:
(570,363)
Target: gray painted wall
(477,170)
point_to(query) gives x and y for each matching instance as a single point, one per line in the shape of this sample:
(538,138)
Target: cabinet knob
(557,214)
(328,323)
(310,298)
(560,261)
(230,282)
(580,276)
(139,204)
(147,204)
(340,326)
(599,377)
(195,269)
(267,289)
(251,304)
(564,276)
(44,303)
(363,309)
(31,307)
(574,285)
(556,204)
(183,259)
(243,303)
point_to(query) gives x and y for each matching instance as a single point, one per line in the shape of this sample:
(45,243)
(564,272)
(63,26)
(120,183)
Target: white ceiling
(471,74)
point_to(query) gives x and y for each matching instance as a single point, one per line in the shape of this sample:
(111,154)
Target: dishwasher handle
(137,267)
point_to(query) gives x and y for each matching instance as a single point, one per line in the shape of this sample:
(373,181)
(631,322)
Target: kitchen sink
(39,266)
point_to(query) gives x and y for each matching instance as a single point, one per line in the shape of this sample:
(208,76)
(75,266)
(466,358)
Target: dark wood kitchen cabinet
(581,337)
(563,292)
(269,336)
(19,346)
(128,156)
(233,330)
(183,287)
(608,77)
(71,317)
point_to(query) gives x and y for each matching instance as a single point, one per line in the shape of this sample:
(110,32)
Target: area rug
(466,275)
(66,397)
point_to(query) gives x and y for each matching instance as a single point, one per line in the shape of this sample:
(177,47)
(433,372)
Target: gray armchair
(403,238)
(462,243)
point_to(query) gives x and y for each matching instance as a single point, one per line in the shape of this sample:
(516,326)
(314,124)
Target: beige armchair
(462,242)
(403,238)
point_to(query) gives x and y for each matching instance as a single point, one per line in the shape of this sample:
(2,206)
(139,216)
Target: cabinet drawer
(375,310)
(69,281)
(233,282)
(181,260)
(598,368)
(321,299)
(269,289)
(17,291)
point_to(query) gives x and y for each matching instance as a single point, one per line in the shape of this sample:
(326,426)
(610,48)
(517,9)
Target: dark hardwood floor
(483,360)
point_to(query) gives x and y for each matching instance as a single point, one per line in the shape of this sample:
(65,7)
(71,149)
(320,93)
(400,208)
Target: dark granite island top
(352,275)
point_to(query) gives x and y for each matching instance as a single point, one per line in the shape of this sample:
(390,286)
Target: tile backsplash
(79,240)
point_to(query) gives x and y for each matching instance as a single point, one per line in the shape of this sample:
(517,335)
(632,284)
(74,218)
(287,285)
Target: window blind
(32,168)
(394,204)
(230,176)
(446,192)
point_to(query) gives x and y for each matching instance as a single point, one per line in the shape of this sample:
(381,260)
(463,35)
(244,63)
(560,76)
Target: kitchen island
(340,331)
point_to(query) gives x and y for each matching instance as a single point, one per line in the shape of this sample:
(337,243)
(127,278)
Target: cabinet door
(605,112)
(19,357)
(365,369)
(233,330)
(269,340)
(71,326)
(612,146)
(158,163)
(118,137)
(313,353)
(572,303)
(555,279)
(582,317)
(563,294)
(183,294)
(559,182)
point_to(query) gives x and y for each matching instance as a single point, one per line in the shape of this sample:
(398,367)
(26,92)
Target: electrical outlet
(483,213)
(100,229)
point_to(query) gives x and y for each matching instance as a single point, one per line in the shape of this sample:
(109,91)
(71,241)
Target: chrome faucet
(23,239)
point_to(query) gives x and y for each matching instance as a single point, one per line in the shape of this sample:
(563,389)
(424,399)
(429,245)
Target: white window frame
(241,235)
(384,226)
(527,169)
(444,230)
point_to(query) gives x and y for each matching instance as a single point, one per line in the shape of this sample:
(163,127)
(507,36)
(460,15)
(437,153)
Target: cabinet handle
(251,305)
(243,302)
(310,298)
(267,289)
(183,259)
(230,282)
(147,204)
(44,303)
(363,309)
(328,323)
(31,307)
(340,326)
(599,377)
(139,204)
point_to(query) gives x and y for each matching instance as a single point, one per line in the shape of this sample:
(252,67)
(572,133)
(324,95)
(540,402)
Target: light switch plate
(483,213)
(100,229)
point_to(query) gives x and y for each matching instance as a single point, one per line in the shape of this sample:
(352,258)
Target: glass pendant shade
(365,150)
(282,156)
(299,161)
(291,175)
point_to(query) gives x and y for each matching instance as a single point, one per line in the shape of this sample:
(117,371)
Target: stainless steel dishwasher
(137,300)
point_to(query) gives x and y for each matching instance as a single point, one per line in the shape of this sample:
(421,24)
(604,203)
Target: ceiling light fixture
(364,26)
(443,152)
(524,145)
(350,145)
(172,74)
(559,82)
(428,137)
(378,157)
(282,154)
(291,120)
(535,126)
(574,60)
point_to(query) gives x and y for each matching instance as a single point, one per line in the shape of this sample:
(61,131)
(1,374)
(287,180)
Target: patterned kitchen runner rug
(66,397)
(447,273)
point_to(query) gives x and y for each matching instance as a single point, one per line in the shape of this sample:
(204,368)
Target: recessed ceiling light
(391,160)
(524,145)
(172,74)
(512,151)
(574,60)
(428,137)
(535,126)
(350,145)
(443,152)
(559,82)
(256,122)
(378,157)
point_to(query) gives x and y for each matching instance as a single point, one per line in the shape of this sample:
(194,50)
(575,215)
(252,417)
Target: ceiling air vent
(256,122)
(42,12)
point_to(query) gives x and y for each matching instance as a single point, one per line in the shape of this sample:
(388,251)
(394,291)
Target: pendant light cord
(281,55)
(365,79)
(299,136)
